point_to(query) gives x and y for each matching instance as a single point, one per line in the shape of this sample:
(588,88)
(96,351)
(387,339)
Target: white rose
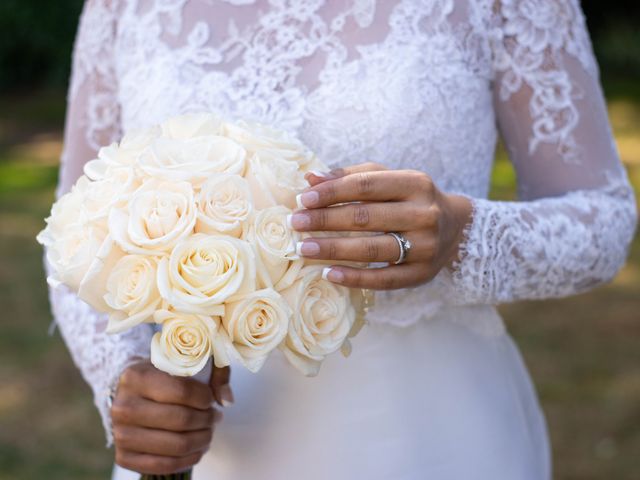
(261,139)
(185,344)
(274,181)
(159,214)
(64,212)
(274,241)
(100,195)
(205,271)
(322,319)
(192,125)
(224,204)
(253,327)
(81,257)
(124,154)
(72,251)
(78,251)
(132,292)
(194,160)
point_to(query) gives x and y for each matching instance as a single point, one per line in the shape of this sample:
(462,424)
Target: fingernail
(298,221)
(226,395)
(319,174)
(307,199)
(332,275)
(307,248)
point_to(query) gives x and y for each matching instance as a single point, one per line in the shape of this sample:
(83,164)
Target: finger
(220,387)
(373,217)
(164,388)
(387,278)
(366,186)
(357,168)
(377,248)
(176,418)
(161,442)
(155,464)
(315,177)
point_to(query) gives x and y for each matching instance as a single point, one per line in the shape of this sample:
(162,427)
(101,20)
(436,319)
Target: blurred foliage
(35,42)
(615,30)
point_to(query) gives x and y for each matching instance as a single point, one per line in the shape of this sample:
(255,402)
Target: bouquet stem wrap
(173,476)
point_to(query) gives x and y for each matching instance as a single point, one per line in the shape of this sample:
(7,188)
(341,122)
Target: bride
(404,99)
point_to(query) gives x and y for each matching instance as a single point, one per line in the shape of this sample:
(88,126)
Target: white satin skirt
(448,398)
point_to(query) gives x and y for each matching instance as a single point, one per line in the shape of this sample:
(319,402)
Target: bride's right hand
(164,424)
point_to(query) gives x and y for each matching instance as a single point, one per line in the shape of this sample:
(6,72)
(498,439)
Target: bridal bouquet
(185,225)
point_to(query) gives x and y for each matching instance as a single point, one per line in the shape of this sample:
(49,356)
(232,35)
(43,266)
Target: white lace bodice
(420,84)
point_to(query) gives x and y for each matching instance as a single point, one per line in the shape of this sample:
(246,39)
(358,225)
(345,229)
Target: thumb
(219,383)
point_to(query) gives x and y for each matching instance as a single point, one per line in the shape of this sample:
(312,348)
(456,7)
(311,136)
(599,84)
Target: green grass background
(582,351)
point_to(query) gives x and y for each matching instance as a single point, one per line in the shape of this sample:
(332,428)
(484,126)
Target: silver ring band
(404,244)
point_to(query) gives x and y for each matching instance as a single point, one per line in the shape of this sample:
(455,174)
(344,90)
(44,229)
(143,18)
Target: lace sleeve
(92,120)
(572,229)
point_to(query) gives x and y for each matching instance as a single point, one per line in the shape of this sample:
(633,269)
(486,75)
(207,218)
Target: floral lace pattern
(529,48)
(507,240)
(101,358)
(417,84)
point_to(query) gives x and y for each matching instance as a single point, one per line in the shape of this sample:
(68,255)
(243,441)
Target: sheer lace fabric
(418,84)
(100,357)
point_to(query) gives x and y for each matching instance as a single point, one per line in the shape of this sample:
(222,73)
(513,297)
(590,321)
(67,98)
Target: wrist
(458,210)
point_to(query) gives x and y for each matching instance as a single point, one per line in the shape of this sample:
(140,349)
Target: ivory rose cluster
(183,226)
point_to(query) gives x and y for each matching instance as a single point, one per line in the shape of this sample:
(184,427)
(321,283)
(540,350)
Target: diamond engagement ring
(404,244)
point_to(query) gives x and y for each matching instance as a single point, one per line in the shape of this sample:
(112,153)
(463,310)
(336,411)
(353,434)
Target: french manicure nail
(336,276)
(307,248)
(298,221)
(307,199)
(226,395)
(319,174)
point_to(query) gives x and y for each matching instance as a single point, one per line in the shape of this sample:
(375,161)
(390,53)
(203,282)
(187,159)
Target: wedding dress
(435,387)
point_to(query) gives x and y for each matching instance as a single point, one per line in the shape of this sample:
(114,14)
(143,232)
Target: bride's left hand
(403,201)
